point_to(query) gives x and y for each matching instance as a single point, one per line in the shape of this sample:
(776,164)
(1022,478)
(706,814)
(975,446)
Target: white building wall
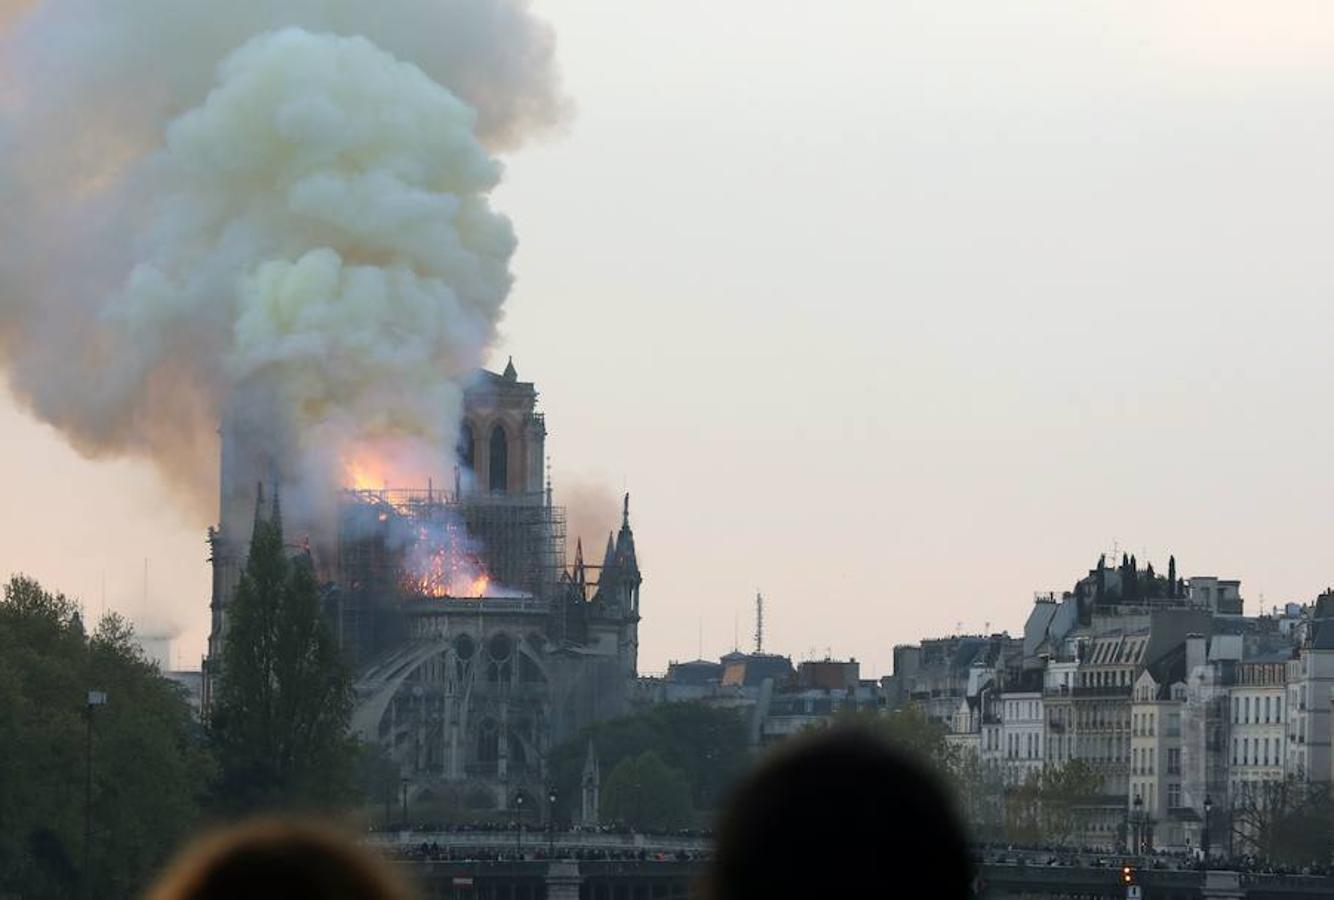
(1310,680)
(1021,734)
(1257,745)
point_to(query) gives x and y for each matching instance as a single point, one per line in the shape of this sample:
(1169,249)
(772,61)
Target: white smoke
(274,217)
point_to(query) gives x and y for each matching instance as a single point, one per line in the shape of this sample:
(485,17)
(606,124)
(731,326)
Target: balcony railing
(1104,690)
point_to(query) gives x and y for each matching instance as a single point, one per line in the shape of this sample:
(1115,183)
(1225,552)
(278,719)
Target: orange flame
(378,463)
(365,474)
(440,567)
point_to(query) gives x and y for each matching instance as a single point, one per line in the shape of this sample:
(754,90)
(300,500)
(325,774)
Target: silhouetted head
(840,814)
(271,859)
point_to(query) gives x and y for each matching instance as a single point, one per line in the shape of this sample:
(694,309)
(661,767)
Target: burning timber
(477,649)
(403,552)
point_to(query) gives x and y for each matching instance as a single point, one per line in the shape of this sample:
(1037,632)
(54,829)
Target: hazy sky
(897,312)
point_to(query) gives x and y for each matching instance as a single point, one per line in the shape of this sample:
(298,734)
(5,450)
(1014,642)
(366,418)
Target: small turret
(625,545)
(579,576)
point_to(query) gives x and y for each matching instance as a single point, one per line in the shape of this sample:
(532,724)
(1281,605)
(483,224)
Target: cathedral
(476,647)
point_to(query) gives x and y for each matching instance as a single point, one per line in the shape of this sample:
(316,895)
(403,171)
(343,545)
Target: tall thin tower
(759,622)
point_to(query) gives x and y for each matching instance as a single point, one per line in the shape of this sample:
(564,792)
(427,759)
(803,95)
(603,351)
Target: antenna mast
(759,622)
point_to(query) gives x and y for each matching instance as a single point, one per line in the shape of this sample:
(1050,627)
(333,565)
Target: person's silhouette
(272,859)
(840,814)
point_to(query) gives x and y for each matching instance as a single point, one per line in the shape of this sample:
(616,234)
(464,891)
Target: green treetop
(280,720)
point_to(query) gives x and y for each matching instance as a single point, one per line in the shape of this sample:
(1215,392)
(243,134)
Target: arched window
(488,742)
(499,460)
(465,448)
(518,756)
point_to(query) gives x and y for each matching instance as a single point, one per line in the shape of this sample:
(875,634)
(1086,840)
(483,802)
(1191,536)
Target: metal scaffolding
(519,539)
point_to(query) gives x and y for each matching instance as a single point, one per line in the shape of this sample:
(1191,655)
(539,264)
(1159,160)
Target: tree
(280,722)
(149,758)
(1063,792)
(706,744)
(980,793)
(1289,821)
(1023,812)
(646,794)
(377,777)
(909,729)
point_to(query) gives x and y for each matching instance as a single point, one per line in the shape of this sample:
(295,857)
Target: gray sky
(897,312)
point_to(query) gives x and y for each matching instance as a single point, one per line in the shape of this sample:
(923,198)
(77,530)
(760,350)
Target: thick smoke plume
(272,216)
(592,510)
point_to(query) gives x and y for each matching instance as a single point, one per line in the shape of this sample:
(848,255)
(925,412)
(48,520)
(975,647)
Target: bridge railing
(538,837)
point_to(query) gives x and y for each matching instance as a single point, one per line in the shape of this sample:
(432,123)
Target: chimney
(1194,652)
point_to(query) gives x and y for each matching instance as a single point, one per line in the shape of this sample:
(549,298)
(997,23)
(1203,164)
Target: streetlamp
(518,825)
(551,822)
(95,699)
(403,786)
(1204,837)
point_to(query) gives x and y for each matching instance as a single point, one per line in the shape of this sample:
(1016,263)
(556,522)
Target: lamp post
(518,825)
(95,699)
(1204,836)
(551,822)
(403,787)
(1138,823)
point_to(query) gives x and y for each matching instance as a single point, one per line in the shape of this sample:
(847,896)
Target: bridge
(681,880)
(509,865)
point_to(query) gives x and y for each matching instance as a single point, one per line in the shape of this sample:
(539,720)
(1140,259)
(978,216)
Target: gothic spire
(625,541)
(276,512)
(259,509)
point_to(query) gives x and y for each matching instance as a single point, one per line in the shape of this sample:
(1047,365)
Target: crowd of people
(1160,859)
(1254,866)
(466,828)
(436,852)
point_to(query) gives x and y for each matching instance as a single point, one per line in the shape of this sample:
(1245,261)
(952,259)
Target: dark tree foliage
(707,745)
(1289,821)
(280,720)
(377,779)
(909,729)
(646,794)
(149,760)
(1130,587)
(1132,584)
